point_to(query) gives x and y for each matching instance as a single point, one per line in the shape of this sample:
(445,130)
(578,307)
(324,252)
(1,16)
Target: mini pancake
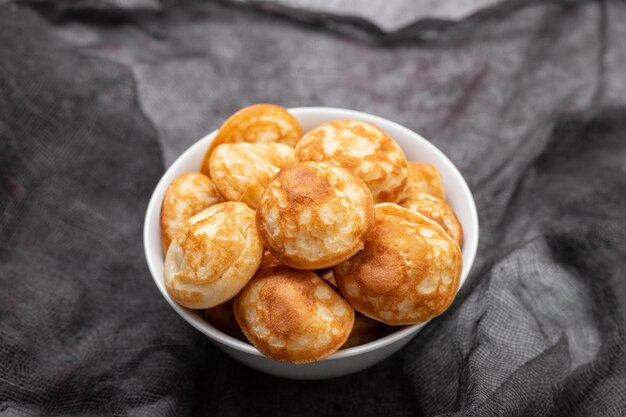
(292,315)
(364,331)
(364,150)
(424,178)
(241,171)
(259,123)
(327,275)
(187,195)
(437,210)
(223,319)
(213,256)
(314,215)
(269,261)
(408,272)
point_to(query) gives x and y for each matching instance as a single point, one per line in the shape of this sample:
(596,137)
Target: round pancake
(327,275)
(314,215)
(424,178)
(437,210)
(364,331)
(269,261)
(241,171)
(408,272)
(223,319)
(364,150)
(187,195)
(213,256)
(292,315)
(259,123)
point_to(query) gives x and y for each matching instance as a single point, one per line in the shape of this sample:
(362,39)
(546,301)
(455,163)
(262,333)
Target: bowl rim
(203,326)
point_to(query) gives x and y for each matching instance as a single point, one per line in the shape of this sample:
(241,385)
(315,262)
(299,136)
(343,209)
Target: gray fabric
(387,16)
(527,99)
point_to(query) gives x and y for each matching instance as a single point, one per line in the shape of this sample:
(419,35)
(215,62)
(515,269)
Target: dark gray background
(527,98)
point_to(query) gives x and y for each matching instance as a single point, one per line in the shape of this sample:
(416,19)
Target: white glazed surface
(345,361)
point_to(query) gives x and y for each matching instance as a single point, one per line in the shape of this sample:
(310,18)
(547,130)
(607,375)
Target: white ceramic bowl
(345,361)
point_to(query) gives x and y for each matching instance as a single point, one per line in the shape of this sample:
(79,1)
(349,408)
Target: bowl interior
(415,147)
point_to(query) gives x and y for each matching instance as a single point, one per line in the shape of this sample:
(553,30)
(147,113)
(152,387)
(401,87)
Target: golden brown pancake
(327,275)
(269,261)
(364,331)
(314,215)
(408,272)
(292,315)
(241,171)
(259,123)
(424,178)
(187,195)
(437,210)
(213,256)
(223,319)
(364,150)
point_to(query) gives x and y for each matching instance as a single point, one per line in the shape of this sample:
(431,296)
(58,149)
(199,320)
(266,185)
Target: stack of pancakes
(303,251)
